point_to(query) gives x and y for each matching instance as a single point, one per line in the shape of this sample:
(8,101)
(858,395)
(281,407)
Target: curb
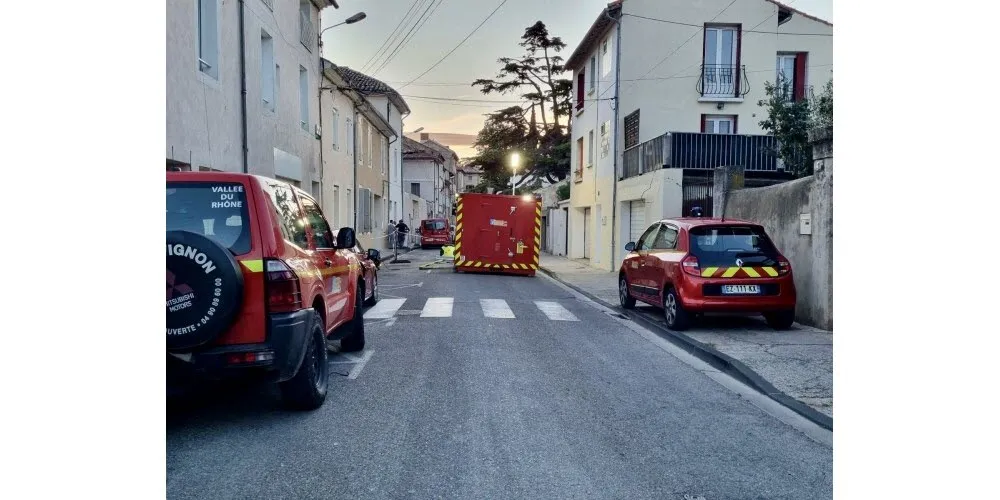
(719,360)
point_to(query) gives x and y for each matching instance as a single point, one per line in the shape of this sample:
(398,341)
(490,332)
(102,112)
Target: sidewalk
(795,366)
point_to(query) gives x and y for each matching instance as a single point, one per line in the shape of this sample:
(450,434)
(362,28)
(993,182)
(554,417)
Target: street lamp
(350,20)
(515,161)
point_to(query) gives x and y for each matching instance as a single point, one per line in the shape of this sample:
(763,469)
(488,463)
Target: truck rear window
(717,246)
(216,210)
(434,225)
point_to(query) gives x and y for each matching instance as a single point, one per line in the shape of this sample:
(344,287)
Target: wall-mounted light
(720,105)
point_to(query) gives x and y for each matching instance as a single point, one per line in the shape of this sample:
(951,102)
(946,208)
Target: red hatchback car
(691,266)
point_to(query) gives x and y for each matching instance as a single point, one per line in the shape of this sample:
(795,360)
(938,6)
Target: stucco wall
(778,208)
(338,158)
(661,192)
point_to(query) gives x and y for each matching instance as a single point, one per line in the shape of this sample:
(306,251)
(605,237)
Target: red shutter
(703,124)
(739,49)
(579,89)
(736,122)
(799,92)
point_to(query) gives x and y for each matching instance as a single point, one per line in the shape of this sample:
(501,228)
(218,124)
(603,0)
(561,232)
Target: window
(384,152)
(208,37)
(371,145)
(720,64)
(605,57)
(579,159)
(605,138)
(590,148)
(632,129)
(349,127)
(378,216)
(364,210)
(267,70)
(321,233)
(666,239)
(306,32)
(335,129)
(579,89)
(791,75)
(292,224)
(593,73)
(337,209)
(363,132)
(315,190)
(646,240)
(718,246)
(718,124)
(198,208)
(304,98)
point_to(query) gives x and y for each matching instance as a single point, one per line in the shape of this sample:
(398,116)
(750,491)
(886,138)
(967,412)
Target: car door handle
(328,262)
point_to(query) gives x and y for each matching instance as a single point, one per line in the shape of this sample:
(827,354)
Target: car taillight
(283,294)
(784,267)
(690,265)
(244,358)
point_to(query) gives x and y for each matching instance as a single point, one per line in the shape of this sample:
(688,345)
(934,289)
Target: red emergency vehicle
(498,233)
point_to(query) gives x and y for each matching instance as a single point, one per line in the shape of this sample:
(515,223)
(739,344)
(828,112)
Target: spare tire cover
(204,289)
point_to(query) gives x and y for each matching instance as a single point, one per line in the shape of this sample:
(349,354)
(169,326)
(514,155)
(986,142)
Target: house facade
(448,187)
(271,128)
(683,109)
(467,178)
(424,177)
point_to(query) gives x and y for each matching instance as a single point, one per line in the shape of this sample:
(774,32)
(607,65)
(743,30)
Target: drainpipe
(618,86)
(243,91)
(354,133)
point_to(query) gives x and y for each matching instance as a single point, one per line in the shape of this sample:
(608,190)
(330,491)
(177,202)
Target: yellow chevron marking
(505,266)
(254,266)
(708,272)
(751,272)
(458,218)
(770,271)
(730,272)
(478,264)
(534,267)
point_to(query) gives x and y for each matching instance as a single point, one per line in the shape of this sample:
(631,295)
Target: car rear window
(434,225)
(721,245)
(216,210)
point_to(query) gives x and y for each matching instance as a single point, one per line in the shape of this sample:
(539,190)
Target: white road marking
(438,307)
(384,309)
(554,311)
(496,308)
(360,366)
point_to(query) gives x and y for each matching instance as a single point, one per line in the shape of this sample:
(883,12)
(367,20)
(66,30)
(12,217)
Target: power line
(410,34)
(392,36)
(455,99)
(457,46)
(744,31)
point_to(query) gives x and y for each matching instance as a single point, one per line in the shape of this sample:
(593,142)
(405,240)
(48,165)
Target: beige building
(682,74)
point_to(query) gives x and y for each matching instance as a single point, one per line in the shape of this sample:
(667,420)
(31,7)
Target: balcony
(696,151)
(723,82)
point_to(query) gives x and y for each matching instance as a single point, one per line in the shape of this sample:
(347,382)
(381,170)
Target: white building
(468,178)
(424,176)
(270,129)
(688,73)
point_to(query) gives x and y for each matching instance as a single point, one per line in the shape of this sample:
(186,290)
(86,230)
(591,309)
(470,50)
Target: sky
(448,22)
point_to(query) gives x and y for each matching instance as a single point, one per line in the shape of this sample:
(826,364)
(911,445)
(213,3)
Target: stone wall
(798,215)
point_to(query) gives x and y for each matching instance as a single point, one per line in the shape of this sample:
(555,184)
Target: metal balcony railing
(701,152)
(723,80)
(307,33)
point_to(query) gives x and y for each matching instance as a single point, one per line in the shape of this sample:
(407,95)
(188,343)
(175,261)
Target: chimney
(424,136)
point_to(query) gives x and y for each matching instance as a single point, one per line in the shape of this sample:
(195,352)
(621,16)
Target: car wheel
(355,339)
(623,296)
(673,312)
(307,389)
(780,320)
(374,298)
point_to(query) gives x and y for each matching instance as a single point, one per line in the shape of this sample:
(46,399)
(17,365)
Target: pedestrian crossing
(444,307)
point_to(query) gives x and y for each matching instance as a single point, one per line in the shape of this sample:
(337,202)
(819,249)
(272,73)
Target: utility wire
(392,36)
(457,46)
(410,34)
(744,31)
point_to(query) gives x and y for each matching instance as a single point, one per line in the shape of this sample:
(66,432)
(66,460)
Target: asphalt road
(557,401)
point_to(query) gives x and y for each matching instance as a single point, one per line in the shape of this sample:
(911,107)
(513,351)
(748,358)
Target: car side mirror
(345,238)
(630,246)
(374,255)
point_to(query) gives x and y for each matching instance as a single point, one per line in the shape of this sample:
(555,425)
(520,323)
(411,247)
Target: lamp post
(515,161)
(350,20)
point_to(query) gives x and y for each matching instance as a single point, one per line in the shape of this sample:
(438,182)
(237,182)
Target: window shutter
(704,122)
(800,76)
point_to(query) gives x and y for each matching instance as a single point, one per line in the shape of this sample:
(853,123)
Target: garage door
(637,219)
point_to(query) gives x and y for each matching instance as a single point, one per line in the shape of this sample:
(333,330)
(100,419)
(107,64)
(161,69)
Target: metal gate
(697,192)
(637,219)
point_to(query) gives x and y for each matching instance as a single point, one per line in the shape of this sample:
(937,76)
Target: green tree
(789,122)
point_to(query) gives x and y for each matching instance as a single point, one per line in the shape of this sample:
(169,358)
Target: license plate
(741,289)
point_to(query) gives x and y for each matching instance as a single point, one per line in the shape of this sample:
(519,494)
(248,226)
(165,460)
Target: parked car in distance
(435,232)
(371,261)
(692,266)
(256,284)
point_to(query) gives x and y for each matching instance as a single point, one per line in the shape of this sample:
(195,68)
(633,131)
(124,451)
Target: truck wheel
(204,290)
(780,320)
(355,339)
(370,302)
(307,389)
(676,317)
